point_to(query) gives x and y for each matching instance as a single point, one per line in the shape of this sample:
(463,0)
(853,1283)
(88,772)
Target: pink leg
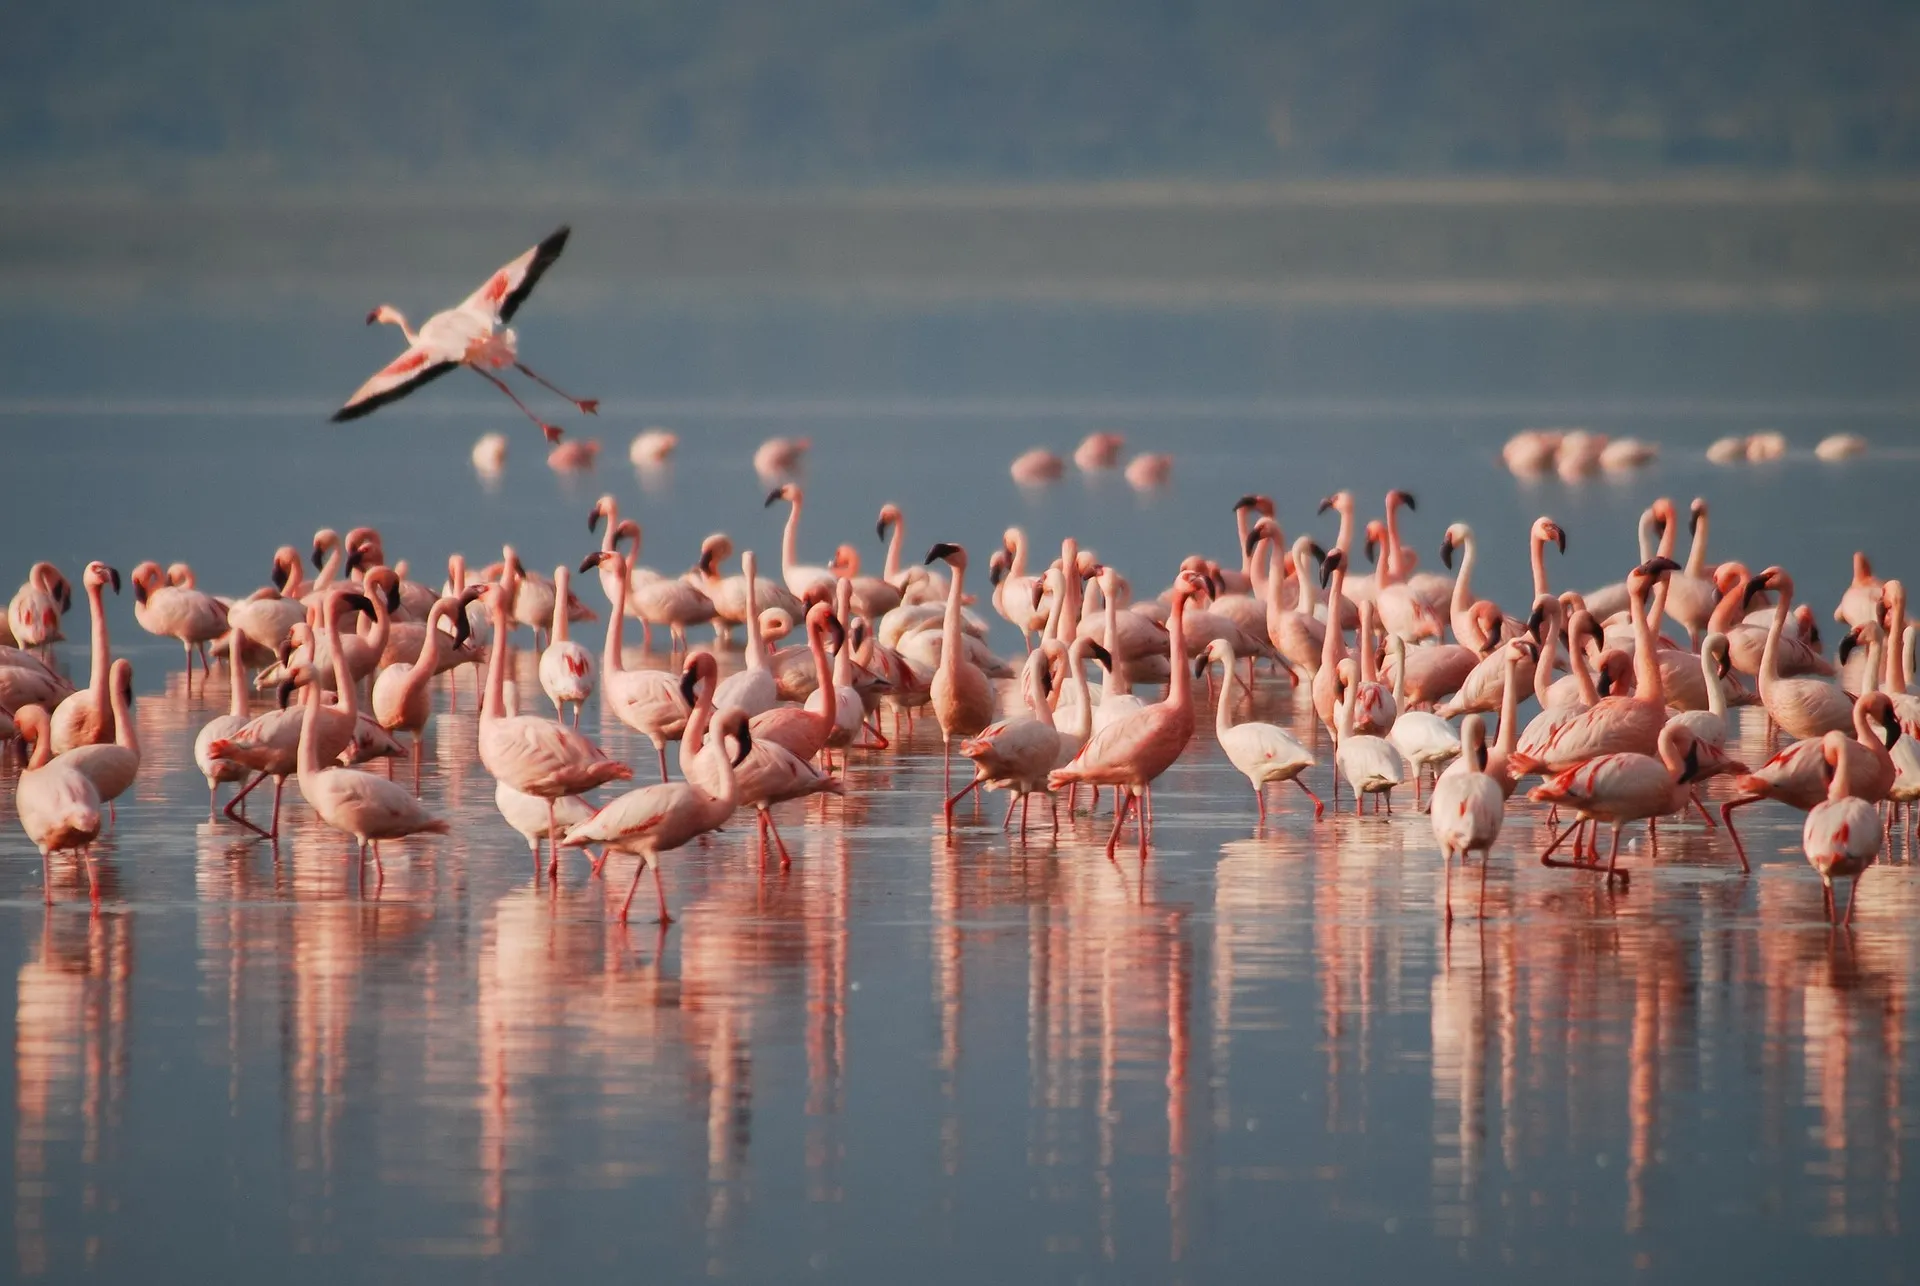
(632,888)
(1726,815)
(662,748)
(1120,819)
(1012,799)
(588,406)
(552,433)
(1319,809)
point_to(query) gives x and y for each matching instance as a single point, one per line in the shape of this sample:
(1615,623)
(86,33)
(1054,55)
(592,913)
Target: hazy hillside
(652,93)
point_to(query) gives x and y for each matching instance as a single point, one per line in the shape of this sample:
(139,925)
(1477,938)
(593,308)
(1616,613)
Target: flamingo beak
(1325,505)
(372,317)
(319,557)
(1603,682)
(1693,763)
(746,744)
(1848,644)
(113,578)
(996,572)
(1755,587)
(1535,621)
(1100,654)
(880,528)
(1446,551)
(1560,537)
(772,497)
(940,551)
(689,681)
(1313,547)
(280,574)
(462,627)
(1373,550)
(593,519)
(1657,564)
(393,595)
(594,559)
(1246,502)
(1200,665)
(1253,539)
(357,603)
(140,592)
(1405,498)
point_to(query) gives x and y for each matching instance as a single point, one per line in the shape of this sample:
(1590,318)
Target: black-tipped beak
(357,603)
(592,561)
(1756,586)
(393,596)
(1039,592)
(1446,552)
(356,559)
(283,693)
(1331,564)
(1535,621)
(140,592)
(689,681)
(1245,502)
(1406,498)
(996,573)
(319,557)
(279,576)
(1373,550)
(1325,505)
(772,496)
(1848,644)
(593,519)
(839,631)
(746,745)
(880,528)
(113,578)
(1319,554)
(1253,540)
(1813,633)
(941,550)
(1692,771)
(1560,537)
(1657,564)
(1724,666)
(1100,654)
(1891,722)
(1603,683)
(462,627)
(1200,666)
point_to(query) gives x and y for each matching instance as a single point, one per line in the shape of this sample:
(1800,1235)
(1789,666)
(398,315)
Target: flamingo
(34,613)
(1133,751)
(1806,708)
(1709,726)
(1860,602)
(1795,778)
(1370,764)
(112,767)
(357,803)
(1468,809)
(57,804)
(1425,740)
(655,820)
(1625,787)
(1295,632)
(1614,724)
(401,699)
(801,730)
(780,457)
(1842,833)
(753,690)
(566,668)
(535,756)
(873,596)
(473,334)
(1017,754)
(769,773)
(961,696)
(1098,451)
(836,697)
(86,717)
(1262,752)
(802,579)
(177,611)
(223,727)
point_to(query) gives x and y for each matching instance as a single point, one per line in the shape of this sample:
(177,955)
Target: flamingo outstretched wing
(503,293)
(394,381)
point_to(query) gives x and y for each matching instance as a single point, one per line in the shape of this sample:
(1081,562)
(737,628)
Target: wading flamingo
(86,717)
(962,697)
(1468,809)
(1842,832)
(1263,752)
(56,803)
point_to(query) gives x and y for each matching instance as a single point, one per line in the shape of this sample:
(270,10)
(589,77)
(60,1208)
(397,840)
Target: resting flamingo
(33,615)
(473,334)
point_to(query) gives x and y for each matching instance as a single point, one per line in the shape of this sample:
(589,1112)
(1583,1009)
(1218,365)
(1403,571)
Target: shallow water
(971,1057)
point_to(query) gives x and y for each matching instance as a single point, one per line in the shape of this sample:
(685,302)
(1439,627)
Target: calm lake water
(966,1060)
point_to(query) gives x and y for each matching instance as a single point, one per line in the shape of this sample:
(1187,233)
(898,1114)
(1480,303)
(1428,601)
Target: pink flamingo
(221,727)
(961,696)
(1626,787)
(86,717)
(57,804)
(113,766)
(1795,778)
(1017,754)
(1468,808)
(1805,708)
(33,615)
(402,698)
(177,611)
(1132,752)
(655,820)
(805,732)
(473,334)
(535,756)
(1842,832)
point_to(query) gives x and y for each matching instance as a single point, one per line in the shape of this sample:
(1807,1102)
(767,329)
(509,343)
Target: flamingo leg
(552,433)
(279,784)
(1026,802)
(1726,815)
(1486,860)
(1694,797)
(1853,900)
(662,748)
(1012,799)
(93,877)
(661,891)
(46,879)
(633,888)
(1053,804)
(1613,852)
(235,802)
(1260,801)
(1546,858)
(1120,819)
(1319,809)
(588,405)
(553,842)
(957,796)
(1826,898)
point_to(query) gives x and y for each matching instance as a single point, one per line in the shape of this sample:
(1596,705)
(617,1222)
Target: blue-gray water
(966,1061)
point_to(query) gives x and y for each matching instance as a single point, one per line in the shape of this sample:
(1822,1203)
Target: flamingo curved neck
(1507,736)
(125,734)
(1333,646)
(97,676)
(493,703)
(1463,583)
(790,541)
(829,690)
(1180,680)
(610,651)
(423,667)
(1646,667)
(896,543)
(1222,720)
(1577,662)
(1770,654)
(1697,548)
(1716,691)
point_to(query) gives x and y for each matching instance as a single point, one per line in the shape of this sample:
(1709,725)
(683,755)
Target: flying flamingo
(962,696)
(1468,809)
(473,334)
(1133,751)
(1842,832)
(86,717)
(1263,752)
(56,803)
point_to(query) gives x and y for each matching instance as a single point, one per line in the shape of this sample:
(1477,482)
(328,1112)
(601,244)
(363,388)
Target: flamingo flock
(1405,676)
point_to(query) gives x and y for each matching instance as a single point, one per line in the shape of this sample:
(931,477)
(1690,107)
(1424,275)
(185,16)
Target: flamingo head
(386,313)
(1455,536)
(1545,529)
(1656,567)
(1396,498)
(1696,514)
(785,491)
(324,541)
(98,575)
(1665,514)
(1772,578)
(146,578)
(1340,501)
(889,515)
(846,562)
(1335,561)
(951,554)
(998,565)
(1546,608)
(1376,536)
(605,507)
(700,667)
